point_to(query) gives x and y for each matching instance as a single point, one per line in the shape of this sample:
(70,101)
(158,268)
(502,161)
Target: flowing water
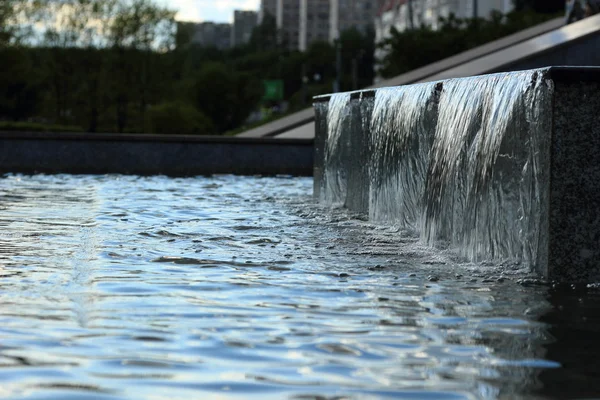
(116,287)
(464,163)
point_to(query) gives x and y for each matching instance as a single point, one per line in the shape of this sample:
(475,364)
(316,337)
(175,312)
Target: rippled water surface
(119,287)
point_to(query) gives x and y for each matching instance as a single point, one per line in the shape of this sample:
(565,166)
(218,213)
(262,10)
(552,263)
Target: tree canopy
(128,66)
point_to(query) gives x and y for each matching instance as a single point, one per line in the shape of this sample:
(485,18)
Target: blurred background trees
(414,48)
(128,66)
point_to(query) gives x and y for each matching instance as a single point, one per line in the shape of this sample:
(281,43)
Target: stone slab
(174,155)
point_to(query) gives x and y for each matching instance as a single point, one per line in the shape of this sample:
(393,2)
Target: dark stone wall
(574,214)
(150,155)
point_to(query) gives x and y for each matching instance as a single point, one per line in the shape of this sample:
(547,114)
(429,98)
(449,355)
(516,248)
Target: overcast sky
(209,10)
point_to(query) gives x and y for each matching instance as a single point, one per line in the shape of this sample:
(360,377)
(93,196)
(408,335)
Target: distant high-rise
(302,22)
(211,34)
(314,22)
(347,14)
(288,21)
(244,23)
(267,7)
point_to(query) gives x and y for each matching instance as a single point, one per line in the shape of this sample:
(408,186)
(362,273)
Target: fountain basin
(501,167)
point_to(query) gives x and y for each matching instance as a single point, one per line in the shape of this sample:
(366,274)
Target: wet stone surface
(116,287)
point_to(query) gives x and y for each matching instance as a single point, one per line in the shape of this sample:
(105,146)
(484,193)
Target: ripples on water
(121,287)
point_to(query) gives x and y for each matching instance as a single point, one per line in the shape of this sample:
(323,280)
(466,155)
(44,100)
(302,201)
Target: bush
(228,96)
(36,127)
(179,118)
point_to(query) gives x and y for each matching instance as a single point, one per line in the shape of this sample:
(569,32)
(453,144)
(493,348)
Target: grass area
(36,127)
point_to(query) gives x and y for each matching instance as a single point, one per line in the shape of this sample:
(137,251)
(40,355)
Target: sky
(209,10)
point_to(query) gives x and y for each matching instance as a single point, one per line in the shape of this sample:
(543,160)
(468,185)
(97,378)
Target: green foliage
(110,65)
(6,10)
(18,85)
(303,98)
(36,127)
(540,6)
(126,66)
(415,48)
(184,34)
(13,26)
(226,95)
(358,51)
(180,118)
(265,36)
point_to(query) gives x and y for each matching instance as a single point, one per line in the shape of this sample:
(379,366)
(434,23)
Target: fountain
(498,168)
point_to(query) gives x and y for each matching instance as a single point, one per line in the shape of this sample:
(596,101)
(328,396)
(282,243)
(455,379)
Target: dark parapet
(173,155)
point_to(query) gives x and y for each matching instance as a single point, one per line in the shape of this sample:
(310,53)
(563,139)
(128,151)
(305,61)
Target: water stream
(463,163)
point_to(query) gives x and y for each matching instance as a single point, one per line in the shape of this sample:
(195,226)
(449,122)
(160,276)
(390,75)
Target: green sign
(273,90)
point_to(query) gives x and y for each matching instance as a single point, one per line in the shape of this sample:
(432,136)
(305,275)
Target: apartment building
(211,34)
(346,14)
(304,21)
(288,21)
(244,23)
(315,22)
(267,7)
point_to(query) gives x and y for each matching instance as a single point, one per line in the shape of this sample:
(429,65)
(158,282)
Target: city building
(267,7)
(346,14)
(302,22)
(288,21)
(315,22)
(244,23)
(211,34)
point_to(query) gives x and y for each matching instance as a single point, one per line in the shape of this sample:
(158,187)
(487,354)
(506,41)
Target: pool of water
(120,287)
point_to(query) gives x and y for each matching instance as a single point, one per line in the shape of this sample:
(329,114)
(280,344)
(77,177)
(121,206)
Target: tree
(17,18)
(358,52)
(184,34)
(540,6)
(180,118)
(19,89)
(139,27)
(227,96)
(6,13)
(265,36)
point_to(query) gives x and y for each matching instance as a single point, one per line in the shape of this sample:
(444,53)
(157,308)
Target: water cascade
(465,163)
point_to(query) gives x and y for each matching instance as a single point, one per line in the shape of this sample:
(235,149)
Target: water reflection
(125,288)
(574,329)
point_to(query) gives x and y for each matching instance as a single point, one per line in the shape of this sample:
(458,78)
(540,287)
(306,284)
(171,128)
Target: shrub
(179,118)
(36,127)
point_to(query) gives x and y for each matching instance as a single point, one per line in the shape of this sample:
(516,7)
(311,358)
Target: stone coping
(130,137)
(558,74)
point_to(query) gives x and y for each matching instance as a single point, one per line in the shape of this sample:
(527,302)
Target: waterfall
(460,162)
(337,147)
(402,128)
(482,194)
